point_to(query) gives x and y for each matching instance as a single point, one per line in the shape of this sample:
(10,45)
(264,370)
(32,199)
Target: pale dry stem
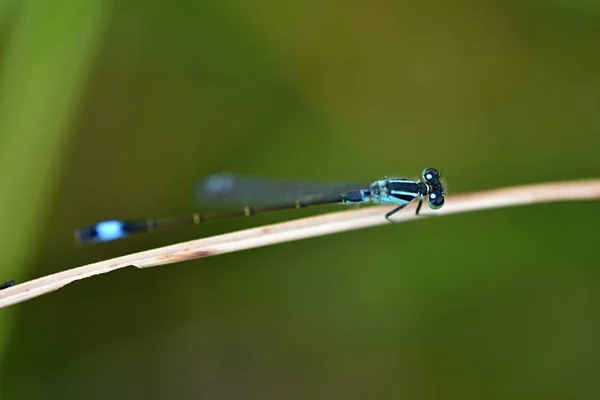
(304,228)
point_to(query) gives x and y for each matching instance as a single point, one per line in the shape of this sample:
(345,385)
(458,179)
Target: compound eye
(436,200)
(431,175)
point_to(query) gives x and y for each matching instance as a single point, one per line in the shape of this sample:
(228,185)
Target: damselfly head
(435,198)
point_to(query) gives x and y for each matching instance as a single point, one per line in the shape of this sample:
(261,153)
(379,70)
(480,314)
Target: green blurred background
(113,109)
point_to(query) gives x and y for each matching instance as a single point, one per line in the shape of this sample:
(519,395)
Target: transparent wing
(229,189)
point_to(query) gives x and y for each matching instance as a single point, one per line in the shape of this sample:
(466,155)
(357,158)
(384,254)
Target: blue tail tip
(102,232)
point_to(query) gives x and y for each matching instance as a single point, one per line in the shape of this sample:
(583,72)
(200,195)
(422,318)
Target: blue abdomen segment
(102,232)
(359,196)
(112,230)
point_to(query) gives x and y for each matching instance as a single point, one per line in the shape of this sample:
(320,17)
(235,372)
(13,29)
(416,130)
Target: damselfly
(223,188)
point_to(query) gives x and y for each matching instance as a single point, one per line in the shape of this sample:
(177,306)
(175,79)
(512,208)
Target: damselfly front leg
(419,207)
(394,211)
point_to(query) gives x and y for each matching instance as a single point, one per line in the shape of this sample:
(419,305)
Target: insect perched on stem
(222,188)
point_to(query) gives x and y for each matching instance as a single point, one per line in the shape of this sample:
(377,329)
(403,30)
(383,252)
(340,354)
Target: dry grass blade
(305,228)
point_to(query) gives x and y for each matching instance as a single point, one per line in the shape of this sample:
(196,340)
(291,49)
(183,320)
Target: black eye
(431,175)
(436,200)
